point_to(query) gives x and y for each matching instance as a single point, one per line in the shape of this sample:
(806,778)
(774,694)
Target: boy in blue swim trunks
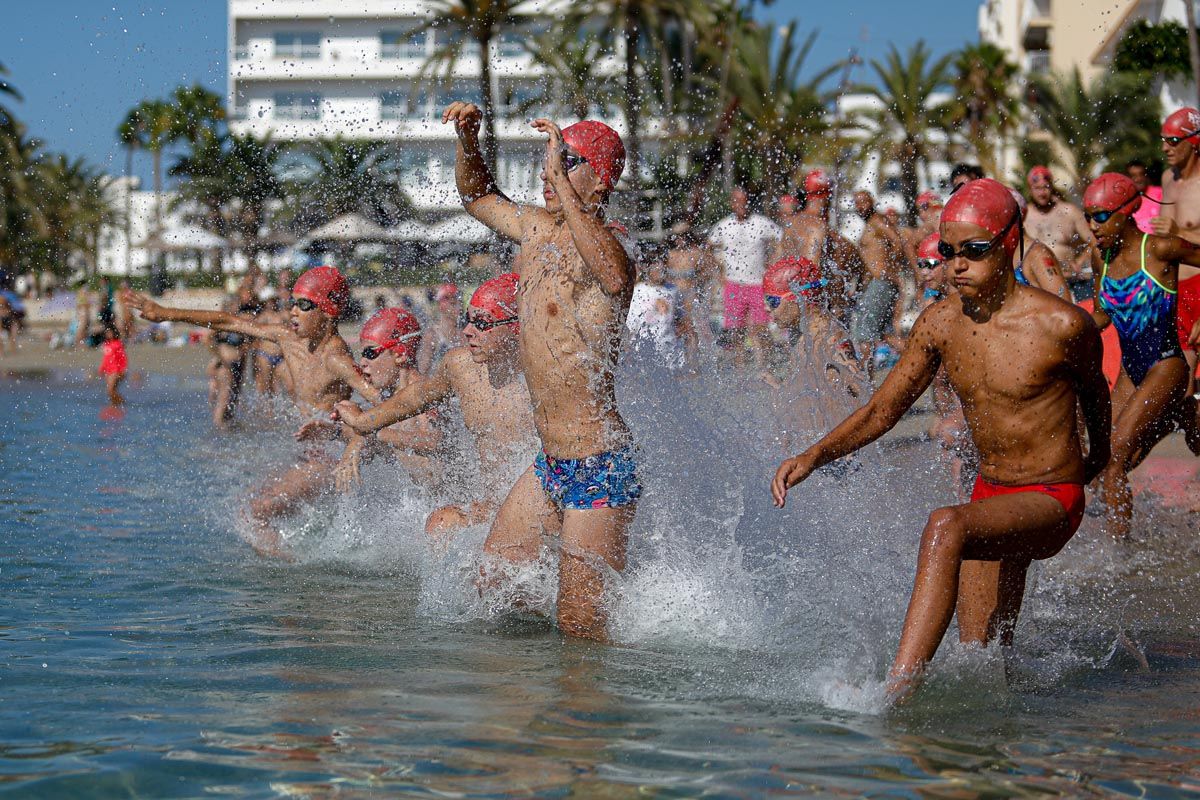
(576,279)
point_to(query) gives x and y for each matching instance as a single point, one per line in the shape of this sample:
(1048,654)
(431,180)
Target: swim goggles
(976,250)
(302,303)
(795,290)
(929,263)
(373,351)
(1175,140)
(1104,216)
(483,324)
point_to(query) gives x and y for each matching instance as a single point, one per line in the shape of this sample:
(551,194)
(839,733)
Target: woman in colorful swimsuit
(1137,276)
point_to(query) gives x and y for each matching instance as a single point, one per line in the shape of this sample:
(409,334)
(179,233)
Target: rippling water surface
(144,652)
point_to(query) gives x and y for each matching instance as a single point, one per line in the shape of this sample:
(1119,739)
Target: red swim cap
(1184,123)
(816,184)
(930,200)
(447,291)
(497,297)
(324,286)
(988,204)
(601,146)
(393,329)
(1039,172)
(790,276)
(927,249)
(1112,191)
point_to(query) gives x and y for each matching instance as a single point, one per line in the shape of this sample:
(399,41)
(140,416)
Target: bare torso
(570,338)
(1021,412)
(882,249)
(809,236)
(1184,193)
(317,387)
(1061,228)
(499,417)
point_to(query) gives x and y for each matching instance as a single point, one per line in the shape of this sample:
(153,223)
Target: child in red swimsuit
(113,364)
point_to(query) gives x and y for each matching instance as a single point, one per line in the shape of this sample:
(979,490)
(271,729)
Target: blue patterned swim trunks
(605,480)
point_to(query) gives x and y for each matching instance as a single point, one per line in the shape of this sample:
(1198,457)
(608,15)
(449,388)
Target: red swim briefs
(1070,495)
(1188,309)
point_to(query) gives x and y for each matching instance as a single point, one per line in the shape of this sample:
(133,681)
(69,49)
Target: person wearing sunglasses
(1137,277)
(1180,217)
(577,274)
(323,372)
(1021,362)
(486,378)
(807,234)
(1060,226)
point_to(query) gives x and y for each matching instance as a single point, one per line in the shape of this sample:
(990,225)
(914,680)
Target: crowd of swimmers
(1023,405)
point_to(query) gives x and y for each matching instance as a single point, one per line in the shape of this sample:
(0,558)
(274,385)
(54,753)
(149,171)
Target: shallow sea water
(145,652)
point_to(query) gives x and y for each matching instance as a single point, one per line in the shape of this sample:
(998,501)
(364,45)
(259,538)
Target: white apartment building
(307,69)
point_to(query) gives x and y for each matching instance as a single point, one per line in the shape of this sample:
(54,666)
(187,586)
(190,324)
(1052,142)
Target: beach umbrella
(461,228)
(349,228)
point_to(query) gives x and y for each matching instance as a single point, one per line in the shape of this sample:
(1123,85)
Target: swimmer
(576,278)
(882,248)
(391,340)
(226,371)
(1181,217)
(323,371)
(114,363)
(485,375)
(1020,361)
(1038,267)
(269,372)
(1137,277)
(807,234)
(949,428)
(822,356)
(1060,226)
(929,211)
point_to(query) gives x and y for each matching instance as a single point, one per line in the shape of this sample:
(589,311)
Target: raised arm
(480,195)
(217,320)
(414,399)
(604,257)
(903,385)
(1084,357)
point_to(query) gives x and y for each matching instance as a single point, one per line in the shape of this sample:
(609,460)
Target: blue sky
(82,64)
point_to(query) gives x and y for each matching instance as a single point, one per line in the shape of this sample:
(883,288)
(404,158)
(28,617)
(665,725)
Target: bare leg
(978,598)
(524,517)
(450,519)
(282,494)
(1144,420)
(1018,527)
(593,541)
(112,383)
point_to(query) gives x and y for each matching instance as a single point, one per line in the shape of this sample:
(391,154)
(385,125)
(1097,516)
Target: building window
(241,51)
(297,45)
(239,106)
(513,42)
(403,44)
(448,93)
(449,37)
(404,104)
(518,100)
(297,105)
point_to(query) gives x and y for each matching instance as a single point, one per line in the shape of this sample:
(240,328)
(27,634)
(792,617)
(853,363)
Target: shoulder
(456,361)
(1057,317)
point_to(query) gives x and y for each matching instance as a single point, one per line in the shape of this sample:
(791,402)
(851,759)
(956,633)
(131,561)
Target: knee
(445,520)
(944,533)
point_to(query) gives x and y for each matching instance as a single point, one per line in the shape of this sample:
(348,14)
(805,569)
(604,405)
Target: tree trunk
(489,106)
(157,153)
(1193,45)
(129,208)
(908,179)
(633,96)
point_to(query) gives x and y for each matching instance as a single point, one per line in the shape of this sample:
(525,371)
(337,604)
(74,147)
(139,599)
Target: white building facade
(302,70)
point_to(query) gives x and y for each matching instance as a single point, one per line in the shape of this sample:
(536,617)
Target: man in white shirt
(743,243)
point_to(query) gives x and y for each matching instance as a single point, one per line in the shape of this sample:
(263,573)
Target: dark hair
(111,328)
(1137,162)
(972,171)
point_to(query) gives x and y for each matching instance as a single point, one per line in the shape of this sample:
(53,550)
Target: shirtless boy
(1137,275)
(1019,361)
(1059,225)
(807,234)
(1181,217)
(882,247)
(485,376)
(391,341)
(322,369)
(576,279)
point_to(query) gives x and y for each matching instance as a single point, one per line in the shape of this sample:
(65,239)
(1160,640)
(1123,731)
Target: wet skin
(1022,416)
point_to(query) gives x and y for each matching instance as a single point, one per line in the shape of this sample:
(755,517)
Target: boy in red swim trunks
(113,364)
(1019,360)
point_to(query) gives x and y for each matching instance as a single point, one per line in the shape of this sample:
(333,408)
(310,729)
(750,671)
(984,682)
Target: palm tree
(233,181)
(74,207)
(900,129)
(479,21)
(574,64)
(197,112)
(782,117)
(983,110)
(149,126)
(1114,117)
(347,177)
